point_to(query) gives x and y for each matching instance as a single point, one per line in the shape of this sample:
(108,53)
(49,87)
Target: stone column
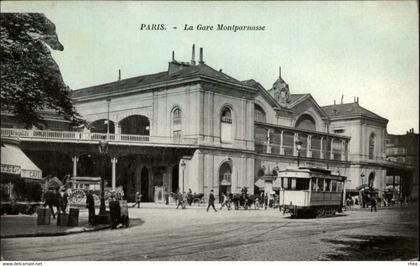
(296,137)
(114,161)
(309,146)
(331,149)
(117,131)
(281,143)
(75,159)
(321,149)
(268,141)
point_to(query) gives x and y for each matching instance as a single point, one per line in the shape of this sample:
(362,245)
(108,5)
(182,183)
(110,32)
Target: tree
(31,80)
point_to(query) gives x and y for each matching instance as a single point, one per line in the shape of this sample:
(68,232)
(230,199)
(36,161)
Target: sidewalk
(13,226)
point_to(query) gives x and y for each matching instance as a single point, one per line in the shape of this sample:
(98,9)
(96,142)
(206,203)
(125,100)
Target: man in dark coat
(65,201)
(58,201)
(49,200)
(114,211)
(211,201)
(90,205)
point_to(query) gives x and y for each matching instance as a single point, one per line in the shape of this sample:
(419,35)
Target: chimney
(334,102)
(119,74)
(193,55)
(357,99)
(342,96)
(173,56)
(279,72)
(201,56)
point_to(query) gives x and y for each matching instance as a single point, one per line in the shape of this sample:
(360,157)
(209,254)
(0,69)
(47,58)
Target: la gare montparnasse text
(201,27)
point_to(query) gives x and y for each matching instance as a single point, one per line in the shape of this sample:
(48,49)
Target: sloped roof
(191,71)
(294,97)
(348,110)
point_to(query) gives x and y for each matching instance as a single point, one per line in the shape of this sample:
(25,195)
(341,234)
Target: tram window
(286,183)
(327,185)
(302,184)
(320,184)
(334,185)
(293,187)
(313,184)
(340,186)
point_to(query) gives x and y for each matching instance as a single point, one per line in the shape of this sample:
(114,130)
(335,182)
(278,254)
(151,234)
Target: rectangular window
(338,131)
(314,187)
(320,184)
(340,186)
(334,185)
(286,183)
(302,184)
(293,185)
(327,185)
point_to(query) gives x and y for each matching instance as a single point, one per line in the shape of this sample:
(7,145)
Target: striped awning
(14,161)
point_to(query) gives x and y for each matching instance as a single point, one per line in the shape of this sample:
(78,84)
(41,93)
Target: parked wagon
(311,192)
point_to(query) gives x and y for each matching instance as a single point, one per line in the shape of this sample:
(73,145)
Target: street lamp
(183,169)
(298,147)
(107,121)
(103,150)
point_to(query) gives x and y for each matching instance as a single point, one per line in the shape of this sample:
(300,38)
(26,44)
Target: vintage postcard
(209,131)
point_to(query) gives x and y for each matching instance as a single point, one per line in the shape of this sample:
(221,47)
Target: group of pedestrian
(56,198)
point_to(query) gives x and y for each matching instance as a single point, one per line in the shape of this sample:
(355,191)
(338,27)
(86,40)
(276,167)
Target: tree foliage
(31,80)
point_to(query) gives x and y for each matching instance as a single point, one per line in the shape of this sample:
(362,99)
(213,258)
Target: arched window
(177,124)
(226,125)
(306,122)
(177,116)
(226,116)
(371,146)
(259,114)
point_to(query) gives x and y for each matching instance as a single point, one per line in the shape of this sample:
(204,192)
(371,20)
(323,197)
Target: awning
(14,161)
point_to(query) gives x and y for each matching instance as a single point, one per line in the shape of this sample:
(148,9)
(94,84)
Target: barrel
(44,216)
(62,219)
(73,217)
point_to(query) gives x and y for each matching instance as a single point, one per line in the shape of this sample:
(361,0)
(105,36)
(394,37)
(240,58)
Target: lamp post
(183,169)
(298,147)
(103,150)
(107,121)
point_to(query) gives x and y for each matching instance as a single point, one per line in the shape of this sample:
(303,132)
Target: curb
(83,230)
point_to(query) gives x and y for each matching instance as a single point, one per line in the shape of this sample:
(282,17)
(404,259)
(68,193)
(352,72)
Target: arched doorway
(135,125)
(144,184)
(100,126)
(175,179)
(225,178)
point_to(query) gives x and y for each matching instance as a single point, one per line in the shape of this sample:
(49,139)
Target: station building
(194,127)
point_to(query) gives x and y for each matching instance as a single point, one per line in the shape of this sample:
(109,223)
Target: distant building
(404,149)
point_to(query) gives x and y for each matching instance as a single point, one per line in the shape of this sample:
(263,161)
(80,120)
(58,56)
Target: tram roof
(307,172)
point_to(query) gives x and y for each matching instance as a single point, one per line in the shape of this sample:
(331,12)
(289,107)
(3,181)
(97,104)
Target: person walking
(138,199)
(114,211)
(224,202)
(49,201)
(179,200)
(190,197)
(211,201)
(265,201)
(58,201)
(90,205)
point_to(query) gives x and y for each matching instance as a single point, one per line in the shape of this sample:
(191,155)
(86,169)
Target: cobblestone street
(194,234)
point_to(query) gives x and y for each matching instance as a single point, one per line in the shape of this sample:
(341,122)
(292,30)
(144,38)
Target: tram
(310,192)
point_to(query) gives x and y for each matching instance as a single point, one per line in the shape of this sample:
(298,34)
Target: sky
(329,49)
